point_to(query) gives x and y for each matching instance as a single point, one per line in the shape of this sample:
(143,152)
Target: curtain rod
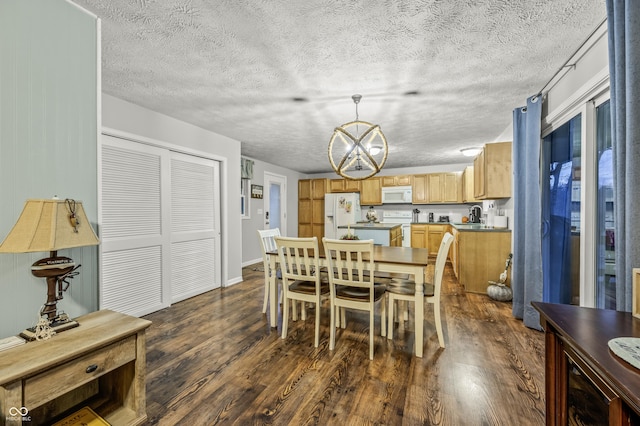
(566,63)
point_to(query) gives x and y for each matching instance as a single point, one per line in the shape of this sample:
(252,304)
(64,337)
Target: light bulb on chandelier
(350,151)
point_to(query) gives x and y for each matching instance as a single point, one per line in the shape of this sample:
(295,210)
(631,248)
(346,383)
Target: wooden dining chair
(268,243)
(301,278)
(405,289)
(352,284)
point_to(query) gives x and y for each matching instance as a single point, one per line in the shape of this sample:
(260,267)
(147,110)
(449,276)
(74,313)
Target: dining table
(399,260)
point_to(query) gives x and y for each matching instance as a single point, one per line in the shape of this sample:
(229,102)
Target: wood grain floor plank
(214,359)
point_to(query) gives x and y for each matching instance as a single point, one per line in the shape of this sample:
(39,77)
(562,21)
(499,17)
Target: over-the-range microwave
(396,195)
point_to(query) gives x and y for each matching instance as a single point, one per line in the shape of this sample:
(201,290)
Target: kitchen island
(384,234)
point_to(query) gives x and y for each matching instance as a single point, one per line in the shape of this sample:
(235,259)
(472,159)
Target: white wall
(130,118)
(49,92)
(251,252)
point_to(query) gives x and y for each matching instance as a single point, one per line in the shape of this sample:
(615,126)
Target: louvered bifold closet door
(135,263)
(195,226)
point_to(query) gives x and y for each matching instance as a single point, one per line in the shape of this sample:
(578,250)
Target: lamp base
(59,324)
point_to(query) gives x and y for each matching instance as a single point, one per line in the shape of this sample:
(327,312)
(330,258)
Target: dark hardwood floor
(214,359)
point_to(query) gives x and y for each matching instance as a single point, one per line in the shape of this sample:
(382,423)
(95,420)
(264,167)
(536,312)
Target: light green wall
(48,142)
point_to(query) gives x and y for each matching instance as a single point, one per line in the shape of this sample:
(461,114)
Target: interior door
(195,226)
(275,202)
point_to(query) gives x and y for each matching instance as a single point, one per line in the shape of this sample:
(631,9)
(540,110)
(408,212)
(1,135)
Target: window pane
(605,244)
(561,214)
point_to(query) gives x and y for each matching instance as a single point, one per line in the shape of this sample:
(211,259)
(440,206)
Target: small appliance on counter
(431,217)
(443,219)
(416,213)
(475,212)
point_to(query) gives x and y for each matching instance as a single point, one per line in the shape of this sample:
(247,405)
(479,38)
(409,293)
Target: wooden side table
(100,364)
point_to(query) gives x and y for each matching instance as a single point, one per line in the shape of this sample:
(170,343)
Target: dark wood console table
(580,367)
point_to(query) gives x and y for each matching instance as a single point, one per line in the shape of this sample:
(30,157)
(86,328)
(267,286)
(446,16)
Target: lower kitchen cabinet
(481,258)
(428,236)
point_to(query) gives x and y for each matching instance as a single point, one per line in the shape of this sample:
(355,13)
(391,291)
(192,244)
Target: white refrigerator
(340,210)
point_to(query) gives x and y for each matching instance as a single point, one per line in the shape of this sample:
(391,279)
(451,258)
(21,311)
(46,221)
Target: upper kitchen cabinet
(419,193)
(445,187)
(467,185)
(435,188)
(402,180)
(344,185)
(371,192)
(311,207)
(492,171)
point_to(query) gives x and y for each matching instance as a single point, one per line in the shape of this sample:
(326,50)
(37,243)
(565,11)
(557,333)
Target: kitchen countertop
(475,227)
(376,226)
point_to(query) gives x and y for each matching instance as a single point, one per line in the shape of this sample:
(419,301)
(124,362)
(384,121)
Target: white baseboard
(251,262)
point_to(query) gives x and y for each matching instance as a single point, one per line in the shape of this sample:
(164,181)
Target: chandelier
(357,156)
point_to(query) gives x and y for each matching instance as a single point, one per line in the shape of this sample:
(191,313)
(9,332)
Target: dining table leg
(419,315)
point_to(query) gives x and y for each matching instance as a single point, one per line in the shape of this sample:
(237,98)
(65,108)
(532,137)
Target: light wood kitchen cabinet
(444,187)
(467,185)
(419,236)
(371,192)
(454,252)
(401,180)
(395,238)
(428,236)
(492,172)
(481,257)
(419,192)
(311,207)
(434,238)
(344,185)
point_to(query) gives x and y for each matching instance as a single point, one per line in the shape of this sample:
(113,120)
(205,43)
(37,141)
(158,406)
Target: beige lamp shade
(50,225)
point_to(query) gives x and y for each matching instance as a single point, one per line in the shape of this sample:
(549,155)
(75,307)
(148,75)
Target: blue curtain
(623,20)
(557,166)
(526,278)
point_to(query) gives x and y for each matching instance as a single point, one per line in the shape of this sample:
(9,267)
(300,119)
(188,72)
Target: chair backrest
(350,263)
(267,241)
(299,259)
(441,260)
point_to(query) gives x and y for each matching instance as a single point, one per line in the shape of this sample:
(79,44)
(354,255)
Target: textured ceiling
(437,76)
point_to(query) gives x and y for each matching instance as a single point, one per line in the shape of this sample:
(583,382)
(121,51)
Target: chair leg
(285,315)
(332,327)
(392,301)
(383,316)
(343,318)
(266,290)
(436,314)
(317,340)
(371,332)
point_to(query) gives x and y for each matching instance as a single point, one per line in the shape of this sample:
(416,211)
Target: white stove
(402,217)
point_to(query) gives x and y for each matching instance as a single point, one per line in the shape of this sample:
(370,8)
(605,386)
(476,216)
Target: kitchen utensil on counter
(414,219)
(431,217)
(372,215)
(443,219)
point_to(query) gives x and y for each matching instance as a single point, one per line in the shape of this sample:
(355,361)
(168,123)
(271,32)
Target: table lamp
(51,225)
